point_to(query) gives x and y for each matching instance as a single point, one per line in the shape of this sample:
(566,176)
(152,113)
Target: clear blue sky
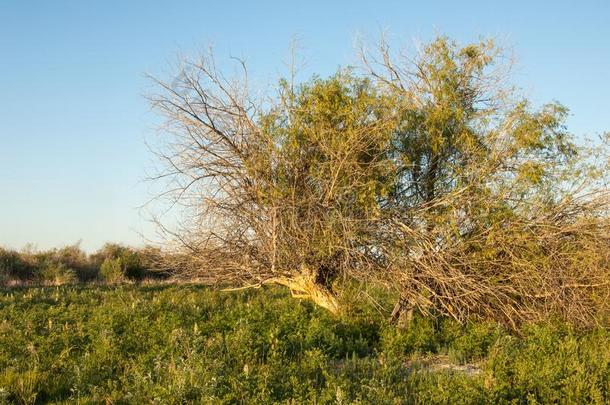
(73,120)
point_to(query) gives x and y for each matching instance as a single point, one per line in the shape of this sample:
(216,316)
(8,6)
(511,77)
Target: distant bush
(136,264)
(71,264)
(111,270)
(77,260)
(58,275)
(16,266)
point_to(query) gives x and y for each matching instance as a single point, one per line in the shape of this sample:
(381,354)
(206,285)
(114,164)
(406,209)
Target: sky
(74,121)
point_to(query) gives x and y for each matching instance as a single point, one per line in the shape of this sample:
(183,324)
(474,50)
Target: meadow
(161,343)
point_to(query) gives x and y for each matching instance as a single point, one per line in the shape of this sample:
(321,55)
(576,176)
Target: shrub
(132,261)
(74,258)
(57,275)
(15,265)
(111,270)
(70,264)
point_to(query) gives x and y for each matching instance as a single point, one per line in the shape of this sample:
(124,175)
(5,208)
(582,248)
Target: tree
(427,174)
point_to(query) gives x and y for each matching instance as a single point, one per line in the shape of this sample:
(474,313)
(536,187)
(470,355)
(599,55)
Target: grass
(184,344)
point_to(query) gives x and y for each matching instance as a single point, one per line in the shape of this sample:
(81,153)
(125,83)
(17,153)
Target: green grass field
(185,344)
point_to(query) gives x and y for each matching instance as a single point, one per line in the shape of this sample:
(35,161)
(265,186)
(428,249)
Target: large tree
(428,174)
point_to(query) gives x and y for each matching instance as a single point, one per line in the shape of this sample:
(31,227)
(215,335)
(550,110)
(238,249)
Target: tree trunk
(402,314)
(306,287)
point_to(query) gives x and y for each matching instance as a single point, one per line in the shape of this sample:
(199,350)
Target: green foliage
(112,270)
(72,257)
(130,260)
(189,344)
(322,164)
(14,265)
(71,264)
(58,275)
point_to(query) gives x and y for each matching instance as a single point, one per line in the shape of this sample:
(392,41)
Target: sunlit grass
(177,344)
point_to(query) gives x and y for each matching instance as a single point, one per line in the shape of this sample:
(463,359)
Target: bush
(58,275)
(3,277)
(70,264)
(132,261)
(74,258)
(15,265)
(111,270)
